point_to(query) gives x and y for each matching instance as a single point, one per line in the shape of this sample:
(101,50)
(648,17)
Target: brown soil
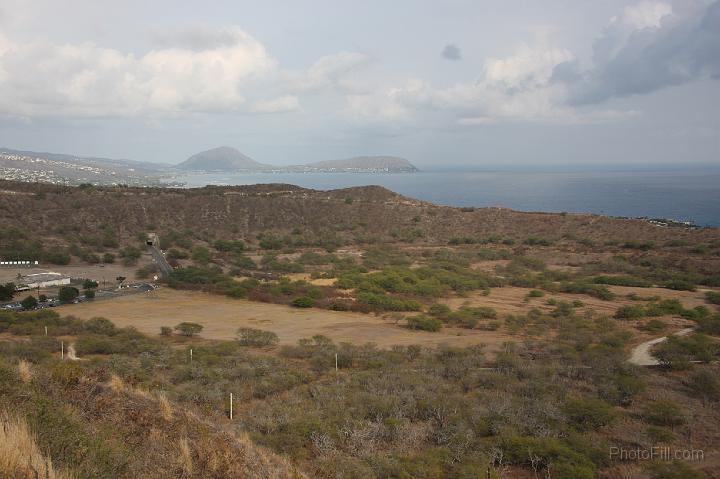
(222,316)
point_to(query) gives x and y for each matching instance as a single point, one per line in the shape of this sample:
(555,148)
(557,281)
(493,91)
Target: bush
(588,414)
(108,258)
(89,293)
(706,384)
(629,312)
(664,413)
(303,302)
(424,323)
(256,337)
(680,285)
(675,470)
(188,329)
(622,281)
(165,330)
(712,297)
(655,326)
(536,293)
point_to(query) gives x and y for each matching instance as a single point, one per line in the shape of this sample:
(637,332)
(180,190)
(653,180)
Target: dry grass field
(221,317)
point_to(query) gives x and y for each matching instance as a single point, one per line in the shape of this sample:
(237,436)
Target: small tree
(6,291)
(188,329)
(165,330)
(256,337)
(29,303)
(89,293)
(90,284)
(67,294)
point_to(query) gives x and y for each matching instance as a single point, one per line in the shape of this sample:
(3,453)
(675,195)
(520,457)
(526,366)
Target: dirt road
(641,353)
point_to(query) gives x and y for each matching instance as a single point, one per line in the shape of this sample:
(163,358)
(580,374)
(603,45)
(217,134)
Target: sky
(453,83)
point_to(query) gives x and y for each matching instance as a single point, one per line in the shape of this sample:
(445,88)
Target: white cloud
(527,68)
(514,88)
(39,78)
(645,14)
(330,71)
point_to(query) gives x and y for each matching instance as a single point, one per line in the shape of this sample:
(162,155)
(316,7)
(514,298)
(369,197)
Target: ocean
(683,195)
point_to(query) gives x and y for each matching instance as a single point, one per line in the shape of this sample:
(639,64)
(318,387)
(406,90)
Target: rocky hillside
(350,215)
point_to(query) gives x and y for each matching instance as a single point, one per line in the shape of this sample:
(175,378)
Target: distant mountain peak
(222,158)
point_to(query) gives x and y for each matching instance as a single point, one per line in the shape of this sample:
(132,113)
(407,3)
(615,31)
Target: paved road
(159,258)
(641,353)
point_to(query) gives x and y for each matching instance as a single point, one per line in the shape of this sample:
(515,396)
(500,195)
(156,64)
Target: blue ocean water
(687,195)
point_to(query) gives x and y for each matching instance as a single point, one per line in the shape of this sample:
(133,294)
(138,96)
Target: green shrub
(629,312)
(256,337)
(188,328)
(622,281)
(675,470)
(303,302)
(424,323)
(655,326)
(588,414)
(712,297)
(680,285)
(664,413)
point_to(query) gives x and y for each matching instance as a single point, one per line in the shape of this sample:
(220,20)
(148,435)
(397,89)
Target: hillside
(58,168)
(223,158)
(390,164)
(344,216)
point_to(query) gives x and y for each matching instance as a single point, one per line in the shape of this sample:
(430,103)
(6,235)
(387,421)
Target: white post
(190,354)
(336,368)
(231,406)
(45,330)
(62,349)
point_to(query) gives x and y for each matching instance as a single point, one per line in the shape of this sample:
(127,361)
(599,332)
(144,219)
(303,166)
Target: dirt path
(641,356)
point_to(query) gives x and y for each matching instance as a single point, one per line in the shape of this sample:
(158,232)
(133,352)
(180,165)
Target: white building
(42,280)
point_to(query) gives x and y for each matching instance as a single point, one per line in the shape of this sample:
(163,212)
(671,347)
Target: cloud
(277,105)
(331,71)
(514,87)
(40,78)
(197,38)
(648,48)
(451,52)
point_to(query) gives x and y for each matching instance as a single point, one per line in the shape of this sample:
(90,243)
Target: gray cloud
(198,38)
(451,52)
(681,49)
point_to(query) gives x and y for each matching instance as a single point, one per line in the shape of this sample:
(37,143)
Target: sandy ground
(511,300)
(221,317)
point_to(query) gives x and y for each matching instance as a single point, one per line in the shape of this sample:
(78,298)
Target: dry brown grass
(166,410)
(116,383)
(185,458)
(25,371)
(20,457)
(222,316)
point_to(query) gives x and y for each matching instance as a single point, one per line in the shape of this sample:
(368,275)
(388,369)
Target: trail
(640,355)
